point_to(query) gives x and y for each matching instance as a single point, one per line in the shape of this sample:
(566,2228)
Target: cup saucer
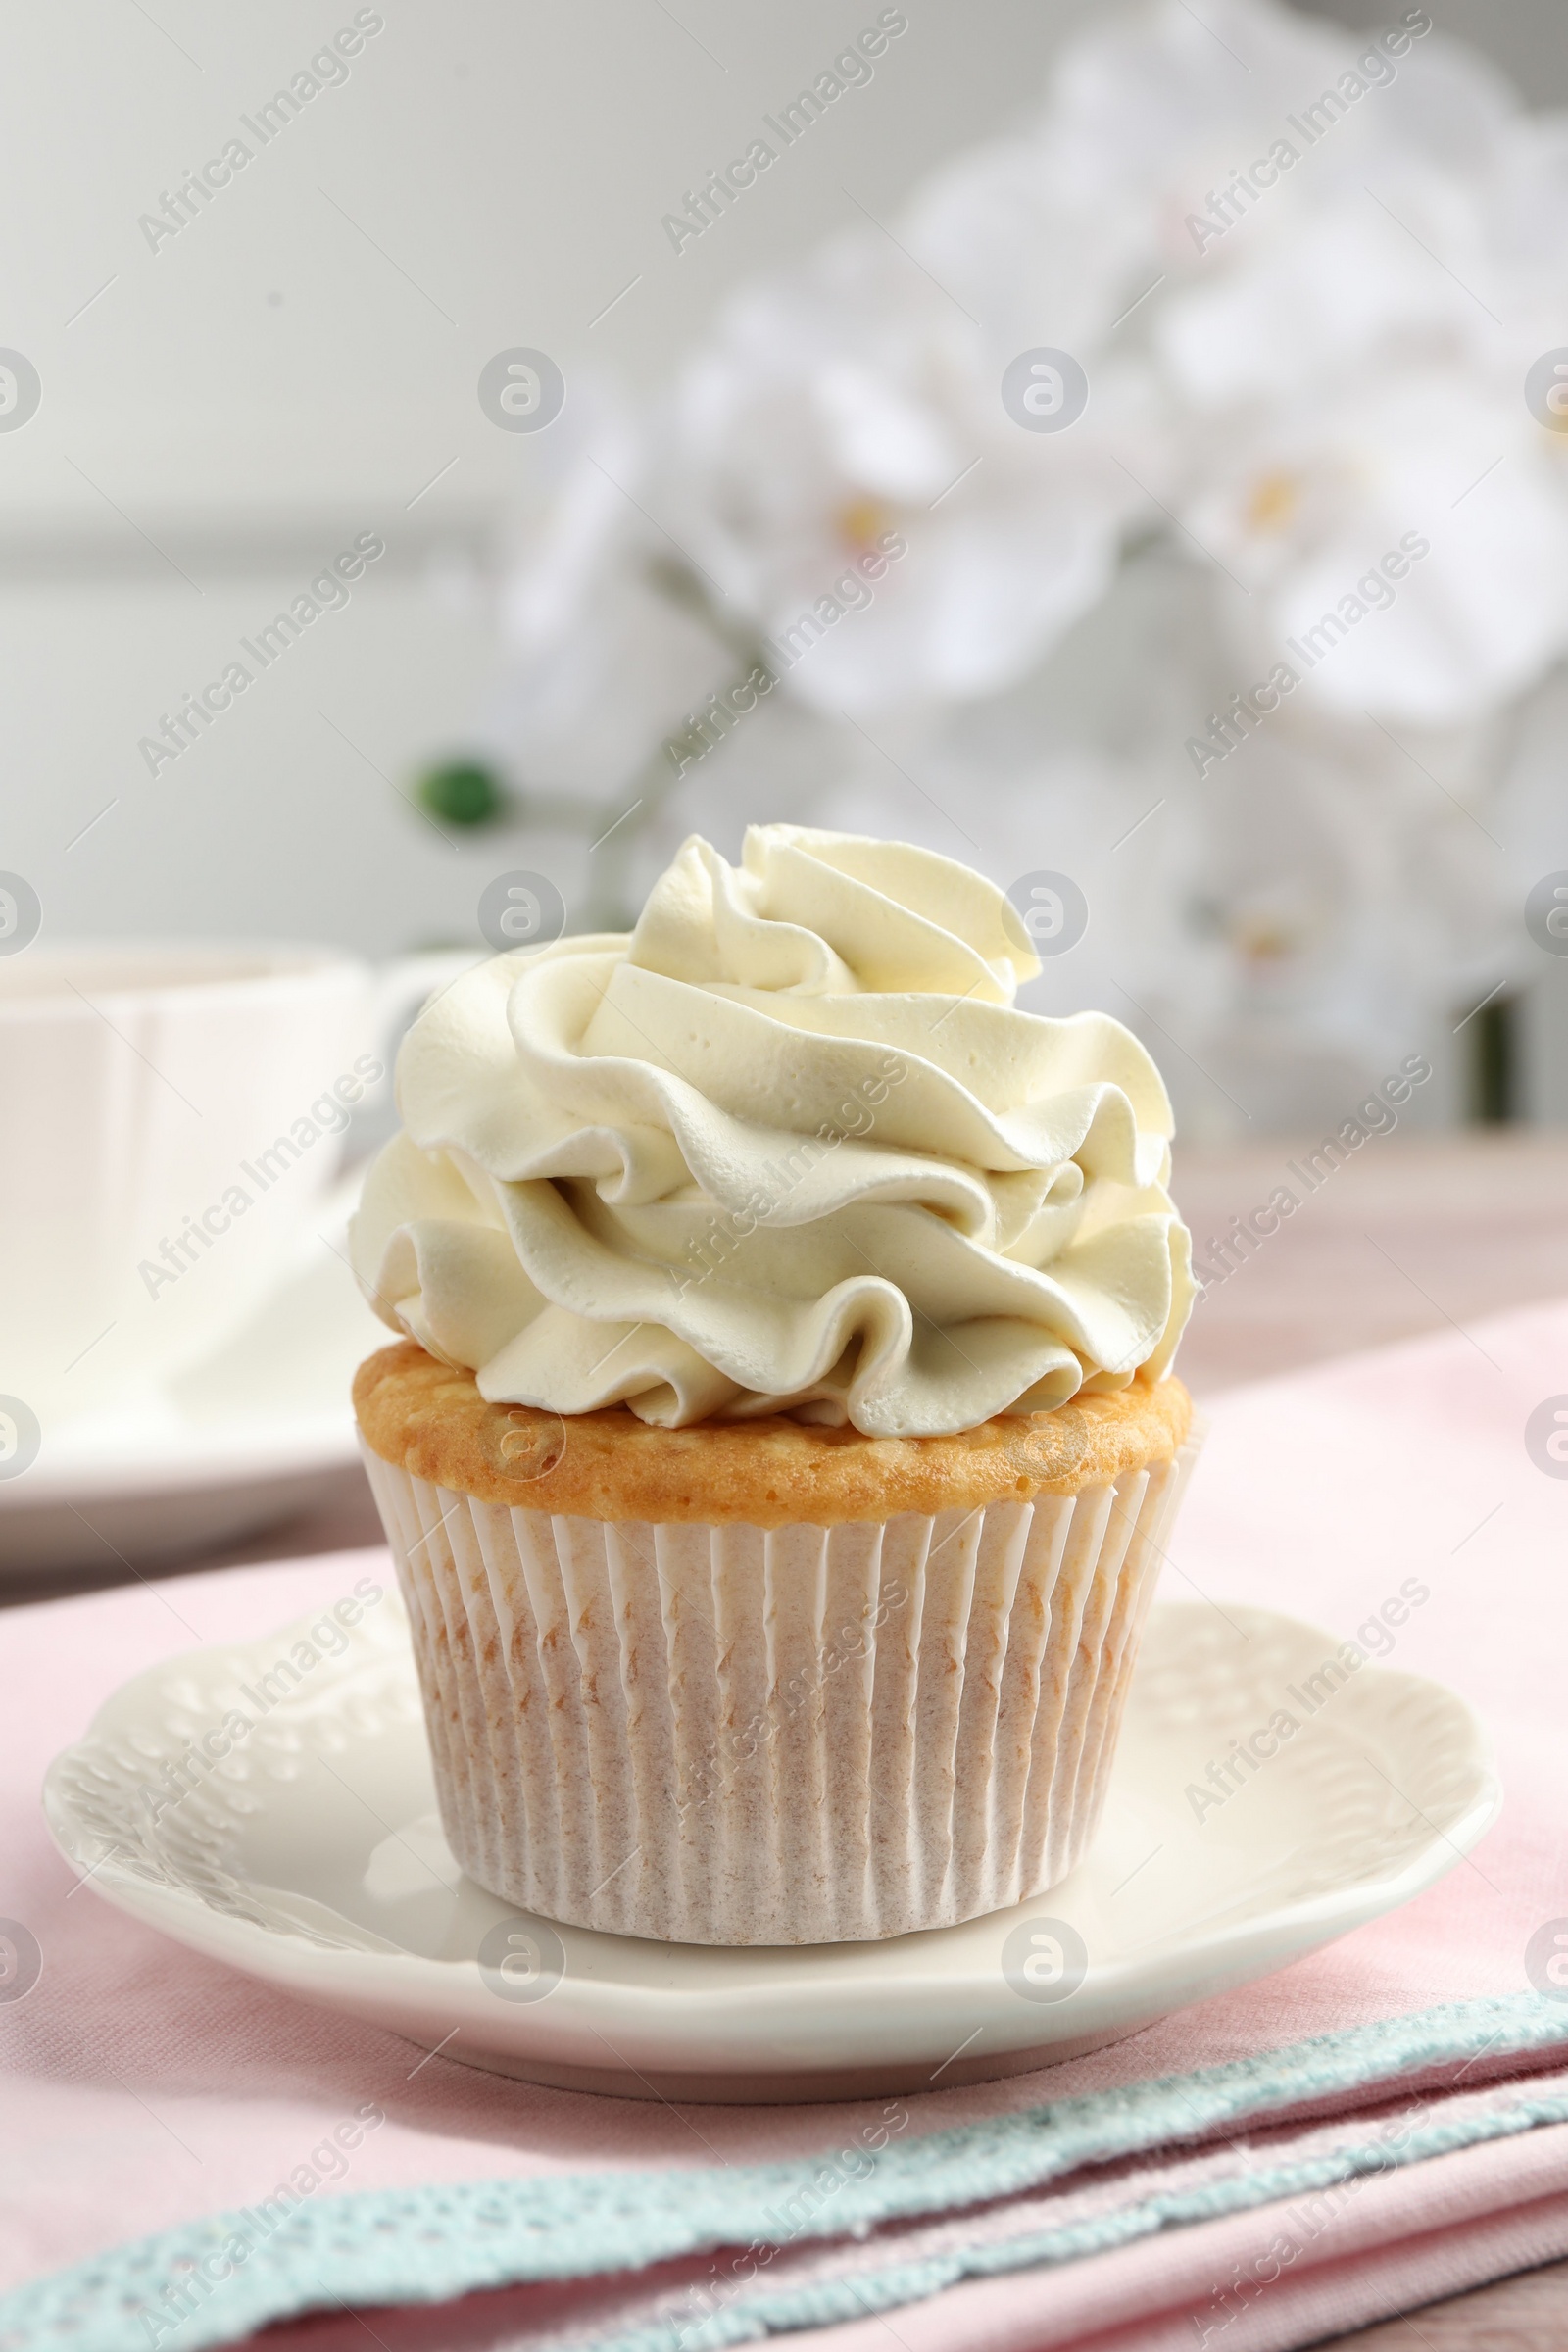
(332,1878)
(249,1435)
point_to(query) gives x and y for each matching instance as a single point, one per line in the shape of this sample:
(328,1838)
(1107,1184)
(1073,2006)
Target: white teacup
(171,1115)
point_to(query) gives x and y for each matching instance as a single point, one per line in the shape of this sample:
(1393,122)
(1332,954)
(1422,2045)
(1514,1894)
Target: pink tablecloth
(146,2086)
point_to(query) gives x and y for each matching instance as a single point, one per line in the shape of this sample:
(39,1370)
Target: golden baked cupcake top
(430,1419)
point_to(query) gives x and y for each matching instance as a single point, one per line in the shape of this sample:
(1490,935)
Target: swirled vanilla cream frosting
(787,1147)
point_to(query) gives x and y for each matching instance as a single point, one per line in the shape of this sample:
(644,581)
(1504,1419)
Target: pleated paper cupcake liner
(728,1735)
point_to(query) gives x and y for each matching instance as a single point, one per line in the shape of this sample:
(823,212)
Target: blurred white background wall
(298,366)
(225,409)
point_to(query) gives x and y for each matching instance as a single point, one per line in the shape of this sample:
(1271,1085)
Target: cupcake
(780,1448)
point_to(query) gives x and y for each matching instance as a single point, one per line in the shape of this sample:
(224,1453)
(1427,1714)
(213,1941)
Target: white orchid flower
(852,480)
(599,662)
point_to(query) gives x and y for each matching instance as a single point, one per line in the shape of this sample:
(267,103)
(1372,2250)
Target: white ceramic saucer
(311,1857)
(251,1434)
